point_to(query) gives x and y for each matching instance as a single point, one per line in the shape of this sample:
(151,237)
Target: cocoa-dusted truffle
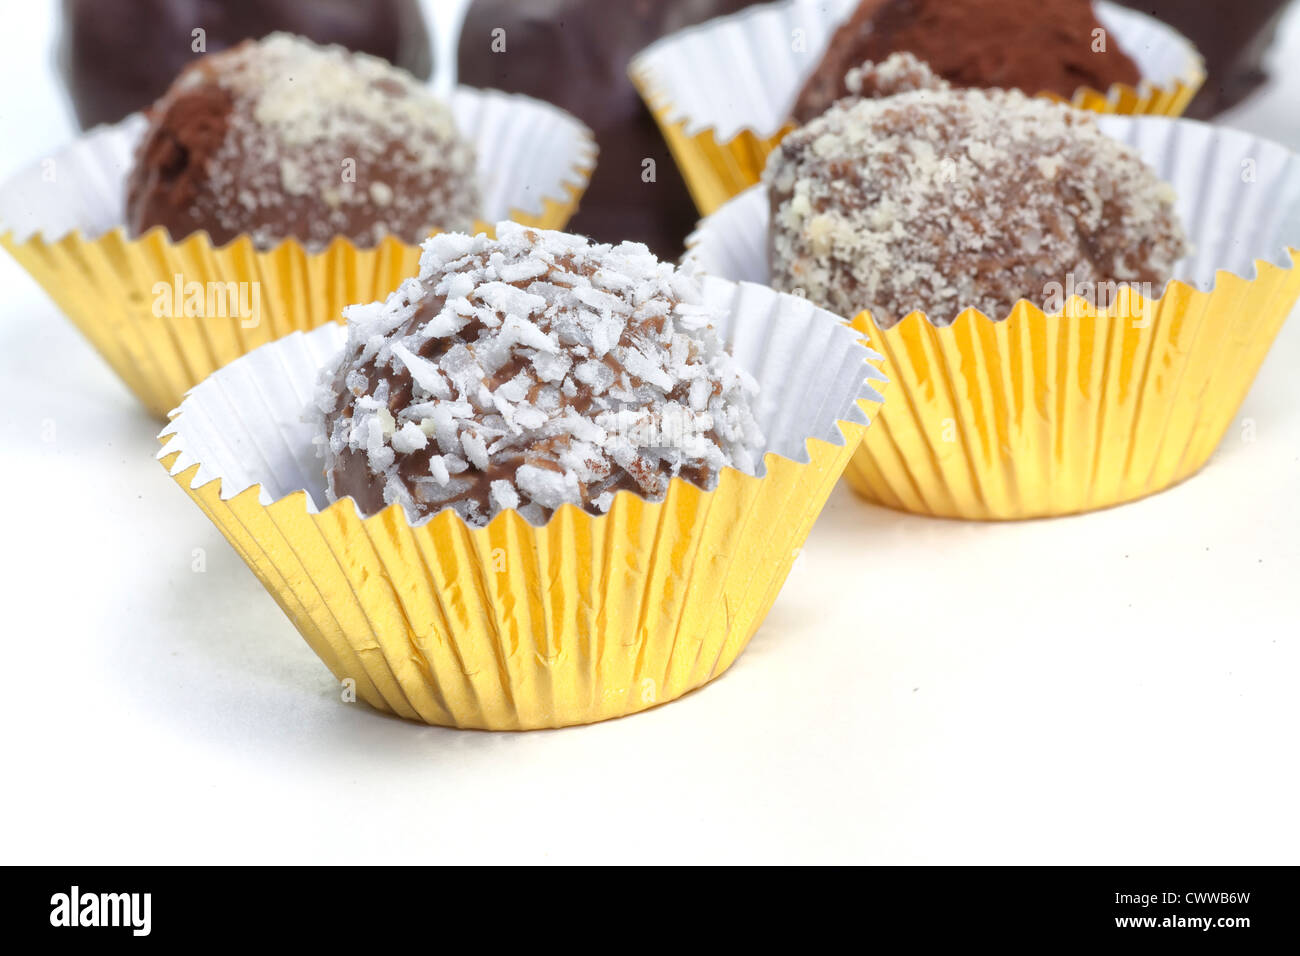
(940,200)
(1035,46)
(529,371)
(118,56)
(282,138)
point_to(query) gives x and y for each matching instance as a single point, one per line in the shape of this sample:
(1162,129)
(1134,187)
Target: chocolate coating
(118,56)
(1034,46)
(575,53)
(280,138)
(1232,36)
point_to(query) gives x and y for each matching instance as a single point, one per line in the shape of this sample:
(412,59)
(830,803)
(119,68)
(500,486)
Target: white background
(1113,688)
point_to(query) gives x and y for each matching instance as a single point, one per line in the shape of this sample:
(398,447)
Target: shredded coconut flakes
(539,369)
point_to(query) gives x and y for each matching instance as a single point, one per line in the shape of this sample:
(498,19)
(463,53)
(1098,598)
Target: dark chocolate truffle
(280,138)
(942,200)
(575,54)
(530,371)
(1232,35)
(1034,46)
(118,56)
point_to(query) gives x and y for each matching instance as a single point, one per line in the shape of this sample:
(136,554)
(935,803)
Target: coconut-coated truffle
(529,371)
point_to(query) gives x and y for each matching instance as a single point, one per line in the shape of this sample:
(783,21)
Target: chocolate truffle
(1232,35)
(1035,46)
(529,371)
(118,56)
(575,54)
(942,200)
(280,138)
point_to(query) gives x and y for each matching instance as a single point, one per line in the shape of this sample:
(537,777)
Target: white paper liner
(528,151)
(1238,197)
(244,423)
(741,72)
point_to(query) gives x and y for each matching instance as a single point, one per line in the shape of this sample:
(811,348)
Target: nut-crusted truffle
(529,371)
(281,138)
(1035,46)
(943,200)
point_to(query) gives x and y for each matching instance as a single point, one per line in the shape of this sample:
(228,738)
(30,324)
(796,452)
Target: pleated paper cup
(1047,414)
(514,626)
(722,91)
(134,298)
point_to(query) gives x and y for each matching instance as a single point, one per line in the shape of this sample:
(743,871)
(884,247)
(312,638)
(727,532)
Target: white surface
(1111,688)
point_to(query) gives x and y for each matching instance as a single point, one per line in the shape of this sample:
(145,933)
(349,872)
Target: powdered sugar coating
(942,200)
(312,142)
(529,371)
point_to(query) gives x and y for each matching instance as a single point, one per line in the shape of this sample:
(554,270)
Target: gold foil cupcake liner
(167,314)
(721,91)
(514,626)
(1049,414)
